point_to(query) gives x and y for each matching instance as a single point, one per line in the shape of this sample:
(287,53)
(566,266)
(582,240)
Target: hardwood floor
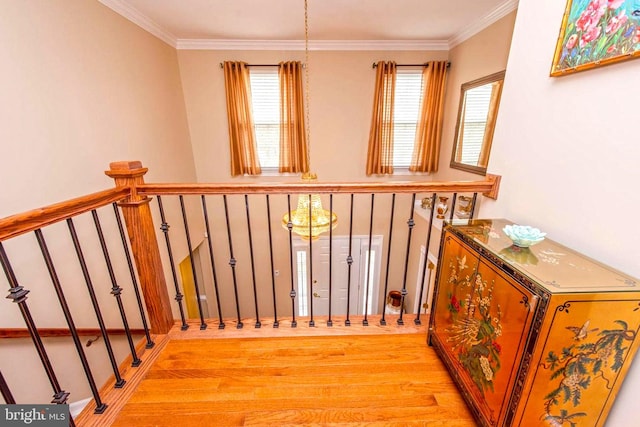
(356,380)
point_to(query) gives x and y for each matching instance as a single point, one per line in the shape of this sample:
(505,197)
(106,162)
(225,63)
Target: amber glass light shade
(321,219)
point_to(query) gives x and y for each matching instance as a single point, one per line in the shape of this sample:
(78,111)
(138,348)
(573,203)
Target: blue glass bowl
(523,235)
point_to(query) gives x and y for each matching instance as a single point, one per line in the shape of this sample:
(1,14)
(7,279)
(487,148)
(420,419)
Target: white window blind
(265,99)
(406,112)
(475,120)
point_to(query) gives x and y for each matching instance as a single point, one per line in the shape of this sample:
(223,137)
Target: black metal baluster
(311,292)
(134,280)
(453,206)
(6,393)
(292,294)
(365,321)
(94,301)
(221,324)
(330,322)
(386,277)
(232,263)
(347,322)
(473,206)
(18,295)
(426,256)
(273,273)
(258,324)
(203,325)
(165,229)
(100,406)
(410,223)
(116,290)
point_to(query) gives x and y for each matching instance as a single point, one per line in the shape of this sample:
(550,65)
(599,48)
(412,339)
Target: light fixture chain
(306,76)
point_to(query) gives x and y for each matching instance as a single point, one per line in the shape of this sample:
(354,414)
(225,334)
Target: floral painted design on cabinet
(591,358)
(531,344)
(481,322)
(476,325)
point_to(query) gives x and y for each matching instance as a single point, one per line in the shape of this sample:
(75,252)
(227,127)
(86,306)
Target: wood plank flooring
(357,380)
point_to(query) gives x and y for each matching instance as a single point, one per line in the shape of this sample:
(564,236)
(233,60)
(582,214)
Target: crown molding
(138,18)
(499,12)
(234,44)
(141,20)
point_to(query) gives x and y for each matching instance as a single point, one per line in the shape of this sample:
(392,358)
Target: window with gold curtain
(242,140)
(380,152)
(426,150)
(293,139)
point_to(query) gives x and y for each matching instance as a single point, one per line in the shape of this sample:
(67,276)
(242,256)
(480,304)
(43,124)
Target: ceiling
(419,24)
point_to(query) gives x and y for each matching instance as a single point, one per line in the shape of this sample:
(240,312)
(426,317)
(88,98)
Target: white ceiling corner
(141,20)
(493,16)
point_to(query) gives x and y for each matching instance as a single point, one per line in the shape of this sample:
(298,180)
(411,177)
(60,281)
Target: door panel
(339,273)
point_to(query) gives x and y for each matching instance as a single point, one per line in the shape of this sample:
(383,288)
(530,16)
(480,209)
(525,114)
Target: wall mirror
(479,102)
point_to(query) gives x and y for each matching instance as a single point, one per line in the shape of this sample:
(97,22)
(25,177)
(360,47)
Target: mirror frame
(466,86)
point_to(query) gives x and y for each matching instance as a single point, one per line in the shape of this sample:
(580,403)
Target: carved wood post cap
(129,174)
(128,169)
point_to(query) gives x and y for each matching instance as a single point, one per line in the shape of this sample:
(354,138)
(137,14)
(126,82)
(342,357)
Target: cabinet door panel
(458,265)
(482,322)
(588,348)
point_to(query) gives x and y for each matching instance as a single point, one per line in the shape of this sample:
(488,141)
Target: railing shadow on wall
(112,258)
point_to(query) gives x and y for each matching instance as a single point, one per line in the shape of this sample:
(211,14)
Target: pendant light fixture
(309,220)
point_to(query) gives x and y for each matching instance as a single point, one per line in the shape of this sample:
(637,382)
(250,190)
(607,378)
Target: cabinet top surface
(550,264)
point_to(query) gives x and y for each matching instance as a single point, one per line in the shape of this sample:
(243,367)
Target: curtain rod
(426,64)
(262,65)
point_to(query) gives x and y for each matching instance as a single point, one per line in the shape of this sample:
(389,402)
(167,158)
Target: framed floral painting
(595,33)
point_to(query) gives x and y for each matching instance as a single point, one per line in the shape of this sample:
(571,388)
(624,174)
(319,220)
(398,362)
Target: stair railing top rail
(26,222)
(488,187)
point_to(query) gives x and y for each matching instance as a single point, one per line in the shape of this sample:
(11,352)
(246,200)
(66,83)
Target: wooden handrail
(486,187)
(132,194)
(25,222)
(62,332)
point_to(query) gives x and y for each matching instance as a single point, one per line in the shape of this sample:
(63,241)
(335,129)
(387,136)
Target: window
(406,113)
(265,99)
(475,120)
(303,294)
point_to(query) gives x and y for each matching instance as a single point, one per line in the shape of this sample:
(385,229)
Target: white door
(339,273)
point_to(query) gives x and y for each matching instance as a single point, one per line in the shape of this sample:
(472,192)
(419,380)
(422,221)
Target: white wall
(483,54)
(341,85)
(568,151)
(82,87)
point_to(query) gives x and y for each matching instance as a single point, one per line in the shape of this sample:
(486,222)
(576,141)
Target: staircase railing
(209,225)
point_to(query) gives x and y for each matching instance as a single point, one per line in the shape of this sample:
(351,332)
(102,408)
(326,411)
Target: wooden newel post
(142,235)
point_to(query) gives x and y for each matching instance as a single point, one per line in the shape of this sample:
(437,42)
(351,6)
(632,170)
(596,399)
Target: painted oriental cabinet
(539,336)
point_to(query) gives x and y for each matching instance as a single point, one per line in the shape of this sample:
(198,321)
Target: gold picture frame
(595,33)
